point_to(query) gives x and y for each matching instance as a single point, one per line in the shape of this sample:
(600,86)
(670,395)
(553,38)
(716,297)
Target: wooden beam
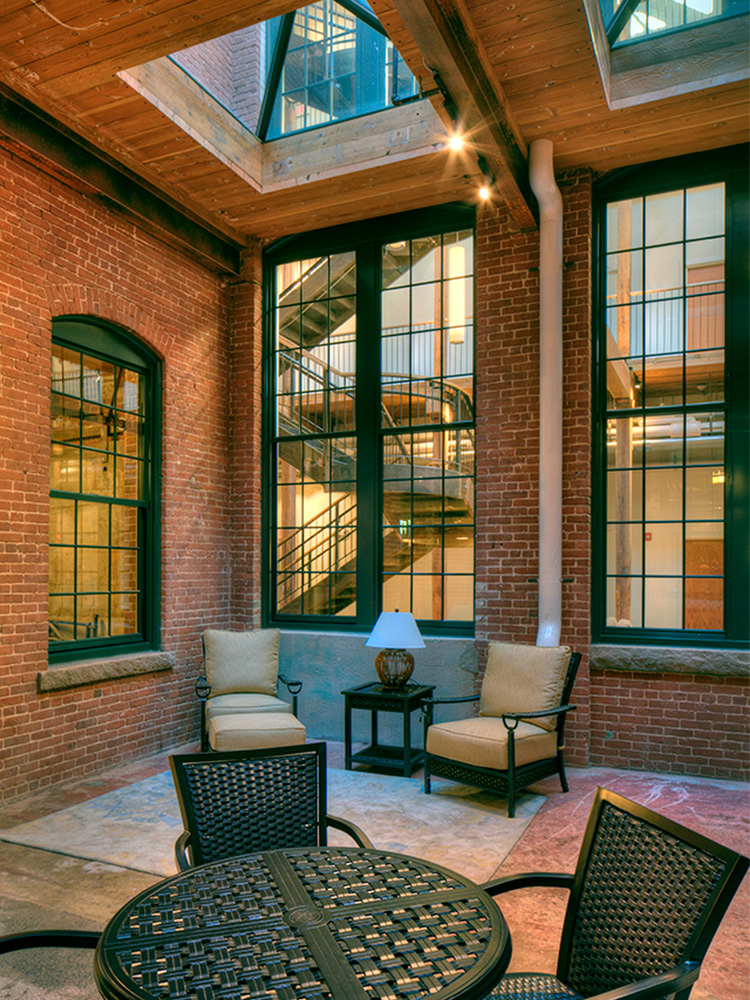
(37,137)
(451,48)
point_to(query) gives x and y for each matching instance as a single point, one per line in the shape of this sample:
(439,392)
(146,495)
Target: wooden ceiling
(515,71)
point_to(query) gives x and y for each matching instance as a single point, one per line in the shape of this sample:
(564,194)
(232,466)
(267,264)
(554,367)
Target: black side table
(375,698)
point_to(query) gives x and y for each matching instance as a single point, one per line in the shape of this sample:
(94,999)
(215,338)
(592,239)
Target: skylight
(328,62)
(635,20)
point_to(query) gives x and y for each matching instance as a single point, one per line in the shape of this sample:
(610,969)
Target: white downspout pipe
(542,180)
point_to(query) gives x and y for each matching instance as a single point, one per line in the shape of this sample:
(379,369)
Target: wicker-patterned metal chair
(645,901)
(242,801)
(519,735)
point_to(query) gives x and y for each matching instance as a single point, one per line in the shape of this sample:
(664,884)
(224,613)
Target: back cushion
(522,678)
(242,661)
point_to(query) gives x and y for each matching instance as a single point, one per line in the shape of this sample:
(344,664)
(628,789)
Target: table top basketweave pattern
(304,924)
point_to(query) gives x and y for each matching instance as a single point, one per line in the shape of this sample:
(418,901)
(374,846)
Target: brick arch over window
(104,304)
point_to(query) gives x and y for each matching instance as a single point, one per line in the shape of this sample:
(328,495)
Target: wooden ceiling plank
(80,67)
(450,46)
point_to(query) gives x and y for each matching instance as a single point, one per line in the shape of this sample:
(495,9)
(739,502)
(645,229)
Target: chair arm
(666,984)
(294,688)
(49,939)
(525,880)
(180,851)
(518,716)
(202,691)
(448,701)
(357,835)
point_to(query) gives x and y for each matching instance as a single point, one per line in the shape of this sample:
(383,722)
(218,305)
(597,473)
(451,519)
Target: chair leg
(427,782)
(511,774)
(561,771)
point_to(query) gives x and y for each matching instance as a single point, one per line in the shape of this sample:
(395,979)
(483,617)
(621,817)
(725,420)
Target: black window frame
(113,344)
(729,166)
(366,239)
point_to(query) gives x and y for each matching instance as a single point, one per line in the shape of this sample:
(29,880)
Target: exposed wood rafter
(446,37)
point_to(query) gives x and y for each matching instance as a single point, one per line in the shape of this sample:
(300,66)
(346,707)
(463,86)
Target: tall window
(372,428)
(103,555)
(673,384)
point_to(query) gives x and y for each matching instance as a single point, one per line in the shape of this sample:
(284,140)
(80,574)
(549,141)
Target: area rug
(136,826)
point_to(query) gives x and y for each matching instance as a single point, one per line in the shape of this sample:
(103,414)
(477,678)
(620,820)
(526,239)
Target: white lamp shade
(395,630)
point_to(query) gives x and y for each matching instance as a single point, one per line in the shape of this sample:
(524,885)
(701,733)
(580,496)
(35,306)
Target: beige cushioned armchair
(242,679)
(517,737)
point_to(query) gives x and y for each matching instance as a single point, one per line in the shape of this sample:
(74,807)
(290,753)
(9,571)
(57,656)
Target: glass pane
(624,495)
(62,566)
(62,521)
(704,377)
(426,259)
(130,391)
(705,438)
(459,598)
(61,612)
(66,371)
(662,380)
(664,440)
(97,473)
(625,602)
(624,224)
(664,494)
(624,549)
(124,526)
(663,546)
(704,604)
(663,603)
(65,468)
(130,436)
(705,211)
(124,614)
(664,218)
(129,481)
(92,614)
(624,277)
(704,497)
(65,419)
(124,569)
(92,565)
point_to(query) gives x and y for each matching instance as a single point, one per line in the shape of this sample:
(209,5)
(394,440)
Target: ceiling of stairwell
(509,73)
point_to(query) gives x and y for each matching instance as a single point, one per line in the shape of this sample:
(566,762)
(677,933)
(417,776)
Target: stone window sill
(671,660)
(70,675)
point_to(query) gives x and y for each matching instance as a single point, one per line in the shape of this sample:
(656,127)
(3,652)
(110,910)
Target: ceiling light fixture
(488,179)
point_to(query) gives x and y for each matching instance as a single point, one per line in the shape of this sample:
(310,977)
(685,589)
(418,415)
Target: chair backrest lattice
(648,895)
(245,801)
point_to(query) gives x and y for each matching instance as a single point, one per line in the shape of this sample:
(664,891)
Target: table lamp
(395,632)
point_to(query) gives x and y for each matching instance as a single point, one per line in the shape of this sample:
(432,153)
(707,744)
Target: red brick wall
(679,723)
(61,253)
(508,434)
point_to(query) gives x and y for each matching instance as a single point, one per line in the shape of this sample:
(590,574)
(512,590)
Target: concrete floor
(39,888)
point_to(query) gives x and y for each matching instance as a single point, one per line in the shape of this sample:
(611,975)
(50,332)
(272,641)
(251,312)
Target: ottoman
(254,730)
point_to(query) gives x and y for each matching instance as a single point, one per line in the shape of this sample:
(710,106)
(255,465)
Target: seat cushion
(244,704)
(483,742)
(242,661)
(521,678)
(259,729)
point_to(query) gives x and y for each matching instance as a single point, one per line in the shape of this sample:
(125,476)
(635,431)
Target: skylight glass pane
(653,17)
(336,67)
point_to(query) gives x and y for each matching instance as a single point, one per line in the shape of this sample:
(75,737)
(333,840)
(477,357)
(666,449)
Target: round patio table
(340,923)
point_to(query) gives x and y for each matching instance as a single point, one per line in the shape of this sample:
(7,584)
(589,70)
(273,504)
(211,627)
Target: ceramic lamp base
(394,668)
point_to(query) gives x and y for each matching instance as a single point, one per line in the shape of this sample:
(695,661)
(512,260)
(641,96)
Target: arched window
(104,533)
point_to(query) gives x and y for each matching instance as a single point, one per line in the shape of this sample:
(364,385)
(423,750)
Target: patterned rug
(136,826)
